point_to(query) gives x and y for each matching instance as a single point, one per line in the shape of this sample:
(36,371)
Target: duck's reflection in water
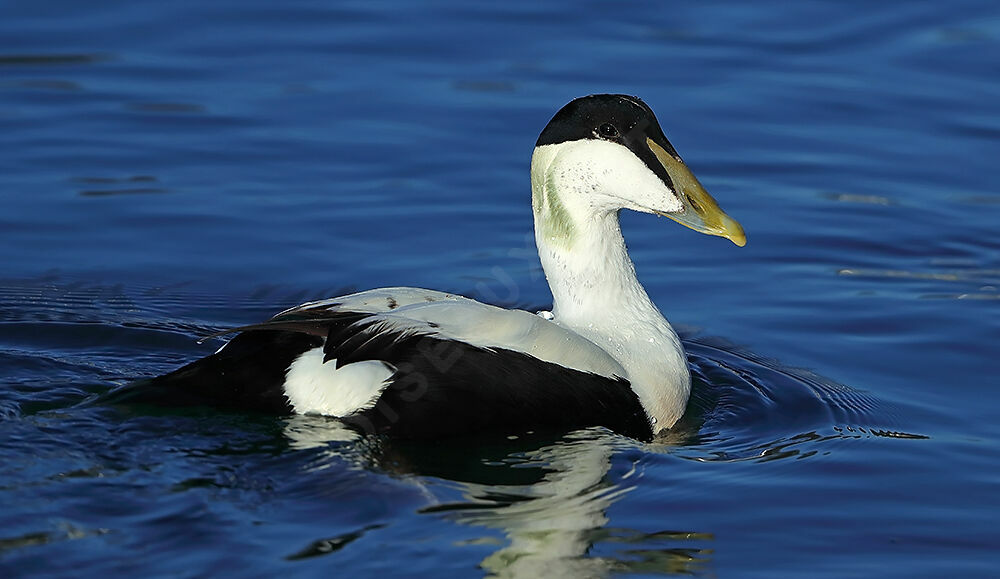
(548,495)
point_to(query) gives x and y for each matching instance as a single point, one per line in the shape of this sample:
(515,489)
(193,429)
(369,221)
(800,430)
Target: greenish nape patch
(553,218)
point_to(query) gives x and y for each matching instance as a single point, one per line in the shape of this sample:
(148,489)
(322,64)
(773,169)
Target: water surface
(169,170)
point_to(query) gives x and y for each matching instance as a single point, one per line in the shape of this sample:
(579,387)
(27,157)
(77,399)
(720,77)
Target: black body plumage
(439,387)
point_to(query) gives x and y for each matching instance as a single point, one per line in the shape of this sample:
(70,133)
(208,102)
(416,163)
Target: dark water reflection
(546,496)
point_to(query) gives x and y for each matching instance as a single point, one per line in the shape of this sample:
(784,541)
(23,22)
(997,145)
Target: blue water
(167,170)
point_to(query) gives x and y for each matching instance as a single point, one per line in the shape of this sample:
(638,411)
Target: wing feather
(453,317)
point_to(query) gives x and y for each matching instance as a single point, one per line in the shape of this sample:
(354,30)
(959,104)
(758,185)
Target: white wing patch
(315,387)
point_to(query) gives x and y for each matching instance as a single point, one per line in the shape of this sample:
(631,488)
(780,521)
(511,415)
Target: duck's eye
(607,131)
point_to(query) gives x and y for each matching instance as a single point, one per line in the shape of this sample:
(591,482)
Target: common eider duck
(416,363)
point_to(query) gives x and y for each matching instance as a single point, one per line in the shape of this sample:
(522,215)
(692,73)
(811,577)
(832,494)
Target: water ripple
(51,59)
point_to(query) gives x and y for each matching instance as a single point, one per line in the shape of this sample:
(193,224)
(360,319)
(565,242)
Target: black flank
(446,388)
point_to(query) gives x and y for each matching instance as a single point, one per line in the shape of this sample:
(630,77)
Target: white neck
(594,287)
